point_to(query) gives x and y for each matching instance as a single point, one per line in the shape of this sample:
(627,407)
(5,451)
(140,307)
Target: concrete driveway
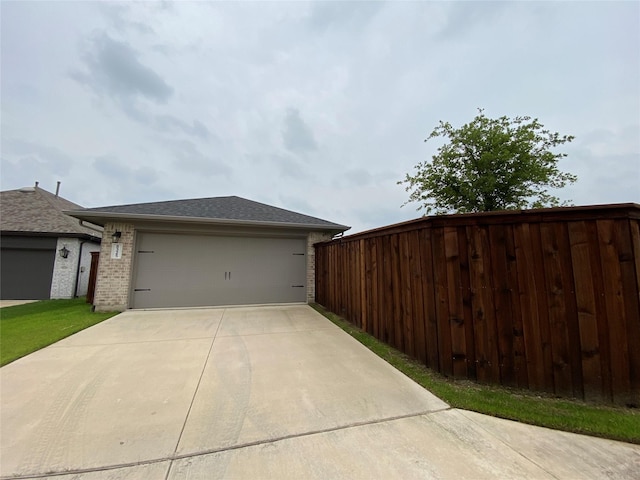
(257,392)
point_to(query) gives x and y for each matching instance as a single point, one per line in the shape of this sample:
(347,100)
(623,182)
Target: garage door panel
(168,297)
(26,273)
(198,270)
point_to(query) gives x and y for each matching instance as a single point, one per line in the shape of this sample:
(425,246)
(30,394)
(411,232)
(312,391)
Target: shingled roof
(221,210)
(34,210)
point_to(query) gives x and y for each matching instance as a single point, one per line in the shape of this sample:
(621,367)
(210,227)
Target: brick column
(114,274)
(313,238)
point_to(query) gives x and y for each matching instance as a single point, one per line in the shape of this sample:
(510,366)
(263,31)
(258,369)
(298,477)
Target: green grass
(616,423)
(30,327)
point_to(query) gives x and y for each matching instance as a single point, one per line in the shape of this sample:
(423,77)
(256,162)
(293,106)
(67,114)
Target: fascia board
(123,217)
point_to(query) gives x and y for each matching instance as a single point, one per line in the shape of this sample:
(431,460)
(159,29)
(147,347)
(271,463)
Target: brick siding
(114,275)
(312,239)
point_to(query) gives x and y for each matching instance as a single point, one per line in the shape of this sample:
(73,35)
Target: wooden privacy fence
(540,299)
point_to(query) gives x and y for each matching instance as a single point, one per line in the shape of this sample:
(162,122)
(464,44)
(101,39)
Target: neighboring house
(44,252)
(205,252)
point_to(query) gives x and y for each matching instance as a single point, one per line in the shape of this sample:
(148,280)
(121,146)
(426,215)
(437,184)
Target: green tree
(490,164)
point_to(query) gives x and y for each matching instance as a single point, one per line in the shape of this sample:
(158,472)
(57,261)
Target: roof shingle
(34,210)
(217,208)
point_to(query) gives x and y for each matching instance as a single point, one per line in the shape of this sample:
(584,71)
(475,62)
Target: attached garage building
(33,233)
(205,252)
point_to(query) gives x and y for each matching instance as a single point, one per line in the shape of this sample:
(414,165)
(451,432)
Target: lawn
(616,423)
(27,328)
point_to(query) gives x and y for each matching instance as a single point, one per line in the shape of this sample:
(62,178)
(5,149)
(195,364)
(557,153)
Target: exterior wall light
(116,236)
(64,252)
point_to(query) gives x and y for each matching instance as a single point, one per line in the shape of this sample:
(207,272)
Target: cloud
(604,179)
(32,157)
(115,70)
(359,177)
(25,162)
(113,168)
(334,15)
(380,215)
(118,14)
(165,123)
(189,159)
(127,182)
(463,18)
(297,136)
(607,163)
(604,141)
(290,167)
(294,203)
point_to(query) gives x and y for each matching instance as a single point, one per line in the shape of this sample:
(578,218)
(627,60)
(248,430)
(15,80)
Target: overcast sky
(314,107)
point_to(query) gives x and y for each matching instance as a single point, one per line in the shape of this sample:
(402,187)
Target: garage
(27,267)
(205,252)
(206,270)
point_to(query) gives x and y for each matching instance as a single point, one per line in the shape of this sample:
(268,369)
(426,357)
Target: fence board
(587,316)
(405,285)
(398,307)
(519,346)
(484,323)
(354,286)
(543,308)
(528,292)
(454,295)
(623,246)
(616,321)
(388,328)
(632,305)
(363,266)
(571,306)
(503,305)
(556,282)
(429,300)
(416,297)
(378,242)
(467,310)
(442,302)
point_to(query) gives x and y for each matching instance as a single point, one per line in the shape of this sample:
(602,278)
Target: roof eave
(29,233)
(100,218)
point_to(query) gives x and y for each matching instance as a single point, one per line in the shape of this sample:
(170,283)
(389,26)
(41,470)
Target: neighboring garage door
(199,270)
(26,267)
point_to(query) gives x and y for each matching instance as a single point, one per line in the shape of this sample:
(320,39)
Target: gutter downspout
(89,227)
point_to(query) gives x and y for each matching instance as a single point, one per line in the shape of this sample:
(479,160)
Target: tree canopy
(490,164)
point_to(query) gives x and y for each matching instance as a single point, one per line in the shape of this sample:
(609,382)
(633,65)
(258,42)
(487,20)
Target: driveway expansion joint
(183,456)
(195,391)
(284,332)
(186,339)
(508,446)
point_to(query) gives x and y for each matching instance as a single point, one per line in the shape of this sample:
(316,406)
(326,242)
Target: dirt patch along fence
(541,299)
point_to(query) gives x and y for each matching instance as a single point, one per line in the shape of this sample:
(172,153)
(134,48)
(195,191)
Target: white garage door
(200,270)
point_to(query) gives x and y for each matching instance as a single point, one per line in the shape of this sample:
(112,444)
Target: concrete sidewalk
(257,392)
(13,303)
